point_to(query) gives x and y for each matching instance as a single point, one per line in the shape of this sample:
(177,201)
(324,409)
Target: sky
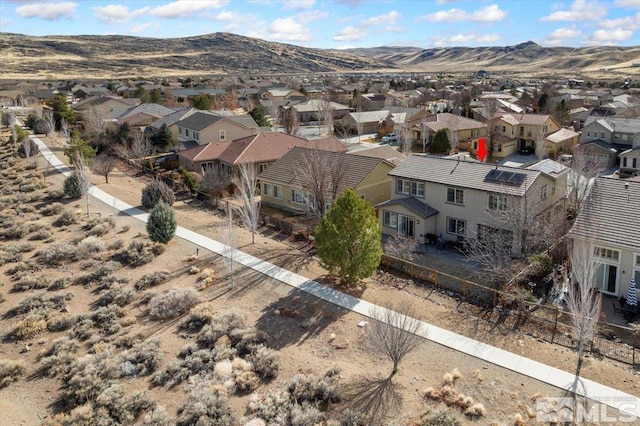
(340,24)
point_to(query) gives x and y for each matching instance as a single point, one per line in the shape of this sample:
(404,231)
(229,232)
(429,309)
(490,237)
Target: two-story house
(609,223)
(620,133)
(293,182)
(457,200)
(514,133)
(466,130)
(206,127)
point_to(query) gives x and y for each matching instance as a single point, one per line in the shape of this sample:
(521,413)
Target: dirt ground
(313,336)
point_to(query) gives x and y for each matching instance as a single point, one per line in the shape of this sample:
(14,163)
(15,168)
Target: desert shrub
(40,235)
(137,253)
(89,246)
(198,317)
(88,377)
(273,408)
(39,304)
(151,279)
(107,318)
(52,209)
(318,390)
(125,229)
(14,232)
(157,417)
(30,326)
(441,415)
(155,192)
(173,303)
(58,359)
(116,245)
(192,361)
(218,327)
(119,295)
(59,283)
(61,323)
(2,299)
(351,417)
(82,328)
(304,414)
(66,218)
(30,187)
(266,362)
(102,275)
(11,371)
(206,406)
(162,223)
(13,253)
(99,230)
(246,340)
(57,254)
(72,187)
(55,194)
(476,410)
(22,267)
(142,359)
(157,248)
(31,283)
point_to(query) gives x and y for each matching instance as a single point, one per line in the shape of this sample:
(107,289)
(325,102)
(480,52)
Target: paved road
(525,366)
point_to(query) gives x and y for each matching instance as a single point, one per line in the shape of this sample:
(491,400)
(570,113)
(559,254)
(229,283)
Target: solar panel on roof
(504,177)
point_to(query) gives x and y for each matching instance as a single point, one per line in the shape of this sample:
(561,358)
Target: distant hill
(224,53)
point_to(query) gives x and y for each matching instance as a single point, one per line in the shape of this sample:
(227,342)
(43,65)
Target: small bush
(89,246)
(99,230)
(116,245)
(72,187)
(162,223)
(151,279)
(155,192)
(11,371)
(440,415)
(58,359)
(29,327)
(206,406)
(142,359)
(137,253)
(40,235)
(52,209)
(13,253)
(57,254)
(59,283)
(66,218)
(102,275)
(14,232)
(118,295)
(31,283)
(174,303)
(106,319)
(266,362)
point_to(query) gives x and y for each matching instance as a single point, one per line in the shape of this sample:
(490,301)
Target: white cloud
(387,18)
(464,39)
(352,4)
(287,29)
(5,22)
(488,38)
(298,4)
(350,33)
(394,29)
(117,13)
(48,11)
(306,17)
(580,10)
(627,3)
(491,13)
(627,23)
(560,35)
(185,8)
(137,29)
(608,36)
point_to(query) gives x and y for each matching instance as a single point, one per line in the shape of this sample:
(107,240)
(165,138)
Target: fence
(549,323)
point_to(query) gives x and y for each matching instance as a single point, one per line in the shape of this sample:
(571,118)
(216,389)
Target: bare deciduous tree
(401,247)
(322,177)
(327,110)
(215,179)
(139,148)
(274,112)
(406,141)
(64,129)
(291,122)
(103,165)
(50,122)
(583,300)
(452,133)
(229,239)
(395,332)
(538,140)
(245,195)
(93,123)
(583,172)
(83,179)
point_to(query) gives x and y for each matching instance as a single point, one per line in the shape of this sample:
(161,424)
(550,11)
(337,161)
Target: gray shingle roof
(199,121)
(464,174)
(617,124)
(610,214)
(412,204)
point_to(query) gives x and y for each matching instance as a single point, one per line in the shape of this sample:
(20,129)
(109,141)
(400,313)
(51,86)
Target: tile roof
(205,152)
(561,135)
(244,120)
(199,121)
(457,122)
(412,204)
(369,116)
(528,119)
(464,174)
(286,169)
(154,110)
(385,152)
(610,214)
(172,119)
(314,105)
(617,124)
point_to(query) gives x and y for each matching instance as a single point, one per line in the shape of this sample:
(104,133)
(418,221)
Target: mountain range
(112,56)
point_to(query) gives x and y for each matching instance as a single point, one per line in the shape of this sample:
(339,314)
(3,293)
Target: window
(180,130)
(456,226)
(402,186)
(601,135)
(223,135)
(498,202)
(196,136)
(624,161)
(271,190)
(553,188)
(634,163)
(297,197)
(186,132)
(262,167)
(616,137)
(417,189)
(605,253)
(455,196)
(390,219)
(544,192)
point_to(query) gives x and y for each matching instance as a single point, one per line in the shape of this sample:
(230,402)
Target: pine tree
(162,223)
(349,238)
(440,142)
(72,187)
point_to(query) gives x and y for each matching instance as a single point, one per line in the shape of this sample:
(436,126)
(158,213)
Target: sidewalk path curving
(500,357)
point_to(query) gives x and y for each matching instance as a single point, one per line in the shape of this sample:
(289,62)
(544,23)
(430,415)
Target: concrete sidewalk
(519,364)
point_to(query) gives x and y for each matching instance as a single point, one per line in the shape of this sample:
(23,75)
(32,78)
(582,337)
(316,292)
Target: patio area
(614,314)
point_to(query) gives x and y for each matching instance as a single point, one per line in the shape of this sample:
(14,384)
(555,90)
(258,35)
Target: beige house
(207,127)
(456,200)
(466,130)
(630,162)
(518,133)
(287,183)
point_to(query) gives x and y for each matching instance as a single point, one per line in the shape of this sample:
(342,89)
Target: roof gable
(199,121)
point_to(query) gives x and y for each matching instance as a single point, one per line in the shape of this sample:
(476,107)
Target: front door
(405,226)
(607,278)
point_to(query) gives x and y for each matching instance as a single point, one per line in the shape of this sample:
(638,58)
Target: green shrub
(155,192)
(52,209)
(151,279)
(162,223)
(137,253)
(72,187)
(173,303)
(66,218)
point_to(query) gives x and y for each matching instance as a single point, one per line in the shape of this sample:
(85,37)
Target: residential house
(206,127)
(107,107)
(599,153)
(140,116)
(369,101)
(466,130)
(620,133)
(286,183)
(608,223)
(313,110)
(514,133)
(171,121)
(457,200)
(630,162)
(562,141)
(261,150)
(283,94)
(384,152)
(363,123)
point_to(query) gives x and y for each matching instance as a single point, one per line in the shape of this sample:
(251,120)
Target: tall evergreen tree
(162,223)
